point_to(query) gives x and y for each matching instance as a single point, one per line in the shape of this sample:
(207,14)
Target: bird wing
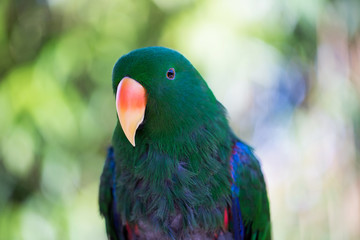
(249,213)
(107,200)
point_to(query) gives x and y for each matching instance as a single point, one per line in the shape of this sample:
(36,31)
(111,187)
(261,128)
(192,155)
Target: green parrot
(175,169)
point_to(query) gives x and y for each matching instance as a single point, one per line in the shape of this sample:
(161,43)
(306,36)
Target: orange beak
(130,106)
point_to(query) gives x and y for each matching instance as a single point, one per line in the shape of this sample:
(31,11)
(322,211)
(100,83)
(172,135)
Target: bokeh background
(287,71)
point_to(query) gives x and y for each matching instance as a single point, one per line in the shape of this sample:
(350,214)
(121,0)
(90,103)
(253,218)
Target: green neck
(185,172)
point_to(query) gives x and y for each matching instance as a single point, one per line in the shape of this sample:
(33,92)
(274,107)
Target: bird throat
(158,181)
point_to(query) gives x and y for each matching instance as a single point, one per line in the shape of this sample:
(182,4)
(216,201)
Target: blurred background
(287,71)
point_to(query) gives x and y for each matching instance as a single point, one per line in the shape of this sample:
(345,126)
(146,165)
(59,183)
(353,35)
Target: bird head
(159,89)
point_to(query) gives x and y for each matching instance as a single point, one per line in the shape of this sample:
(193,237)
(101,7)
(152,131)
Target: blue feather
(238,225)
(116,217)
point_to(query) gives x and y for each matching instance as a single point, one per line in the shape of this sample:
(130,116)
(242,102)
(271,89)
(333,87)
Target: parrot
(175,169)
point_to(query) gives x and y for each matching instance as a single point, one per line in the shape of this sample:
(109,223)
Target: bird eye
(171,74)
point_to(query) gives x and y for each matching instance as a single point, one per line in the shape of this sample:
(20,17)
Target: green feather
(176,163)
(180,164)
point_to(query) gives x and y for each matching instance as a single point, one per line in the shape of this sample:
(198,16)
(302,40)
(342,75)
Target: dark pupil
(170,74)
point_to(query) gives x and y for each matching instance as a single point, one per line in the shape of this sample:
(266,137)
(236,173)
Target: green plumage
(180,165)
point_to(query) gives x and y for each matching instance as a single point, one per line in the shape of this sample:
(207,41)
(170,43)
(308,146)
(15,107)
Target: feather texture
(188,177)
(107,199)
(250,205)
